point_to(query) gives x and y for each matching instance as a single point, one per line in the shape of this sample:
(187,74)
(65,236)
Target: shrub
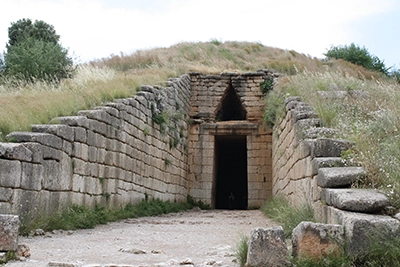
(359,56)
(38,60)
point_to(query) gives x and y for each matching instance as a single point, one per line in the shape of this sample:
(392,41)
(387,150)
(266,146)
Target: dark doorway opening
(230,172)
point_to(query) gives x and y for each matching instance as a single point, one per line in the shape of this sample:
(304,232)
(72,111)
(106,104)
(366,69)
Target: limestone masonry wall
(111,155)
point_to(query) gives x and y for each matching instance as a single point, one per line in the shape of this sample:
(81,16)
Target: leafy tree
(34,53)
(24,28)
(357,55)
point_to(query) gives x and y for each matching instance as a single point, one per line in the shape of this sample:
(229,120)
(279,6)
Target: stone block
(328,147)
(5,194)
(41,138)
(9,228)
(78,183)
(37,152)
(77,121)
(51,153)
(15,151)
(32,176)
(362,229)
(10,175)
(80,151)
(358,200)
(80,134)
(51,175)
(316,240)
(326,162)
(64,131)
(67,147)
(339,176)
(267,247)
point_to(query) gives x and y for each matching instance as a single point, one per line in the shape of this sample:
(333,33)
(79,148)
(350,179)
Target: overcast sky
(92,29)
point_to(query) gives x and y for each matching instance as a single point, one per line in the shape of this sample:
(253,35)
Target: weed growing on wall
(168,120)
(274,108)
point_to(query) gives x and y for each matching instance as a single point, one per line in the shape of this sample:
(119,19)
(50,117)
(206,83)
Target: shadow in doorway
(231,172)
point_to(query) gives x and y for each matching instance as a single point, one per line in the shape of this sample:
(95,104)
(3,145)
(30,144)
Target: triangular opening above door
(230,108)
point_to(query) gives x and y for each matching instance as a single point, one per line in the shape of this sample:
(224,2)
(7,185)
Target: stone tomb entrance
(229,148)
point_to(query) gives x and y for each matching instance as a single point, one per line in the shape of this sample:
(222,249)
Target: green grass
(82,217)
(288,216)
(241,249)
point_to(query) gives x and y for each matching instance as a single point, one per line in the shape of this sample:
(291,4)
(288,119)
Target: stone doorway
(230,171)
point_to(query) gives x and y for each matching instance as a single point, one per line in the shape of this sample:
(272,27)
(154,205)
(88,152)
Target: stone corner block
(9,229)
(267,247)
(317,240)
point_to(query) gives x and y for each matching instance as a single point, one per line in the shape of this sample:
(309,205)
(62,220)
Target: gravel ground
(193,238)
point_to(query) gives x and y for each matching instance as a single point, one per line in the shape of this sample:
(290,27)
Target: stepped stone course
(339,176)
(358,200)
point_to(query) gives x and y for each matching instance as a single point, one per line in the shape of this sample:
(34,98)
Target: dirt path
(194,238)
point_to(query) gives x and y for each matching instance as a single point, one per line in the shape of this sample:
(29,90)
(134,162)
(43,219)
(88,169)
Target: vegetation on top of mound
(24,103)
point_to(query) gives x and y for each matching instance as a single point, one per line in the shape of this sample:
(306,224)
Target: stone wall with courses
(208,93)
(296,151)
(111,155)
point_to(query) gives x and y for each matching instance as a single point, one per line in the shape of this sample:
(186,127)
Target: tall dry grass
(24,104)
(119,76)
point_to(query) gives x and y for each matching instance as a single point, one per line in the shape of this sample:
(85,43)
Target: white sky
(92,29)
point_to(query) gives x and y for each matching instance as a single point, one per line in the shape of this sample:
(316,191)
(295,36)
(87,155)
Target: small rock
(133,251)
(23,251)
(209,262)
(61,264)
(3,256)
(38,232)
(186,262)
